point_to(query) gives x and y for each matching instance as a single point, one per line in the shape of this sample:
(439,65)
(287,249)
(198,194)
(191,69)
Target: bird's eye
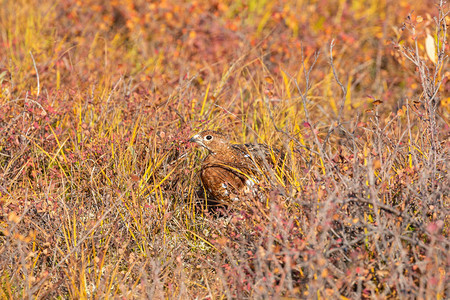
(208,137)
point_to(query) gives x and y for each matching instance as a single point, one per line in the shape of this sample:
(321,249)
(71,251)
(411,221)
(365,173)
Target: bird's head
(212,140)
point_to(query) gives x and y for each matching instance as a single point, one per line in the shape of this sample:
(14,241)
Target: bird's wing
(221,182)
(260,154)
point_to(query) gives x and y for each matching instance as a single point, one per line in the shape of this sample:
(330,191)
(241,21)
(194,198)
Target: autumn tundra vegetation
(100,187)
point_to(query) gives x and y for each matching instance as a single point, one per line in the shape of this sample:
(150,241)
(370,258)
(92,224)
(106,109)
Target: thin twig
(37,75)
(344,97)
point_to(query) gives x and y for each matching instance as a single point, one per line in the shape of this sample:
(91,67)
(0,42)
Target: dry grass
(98,186)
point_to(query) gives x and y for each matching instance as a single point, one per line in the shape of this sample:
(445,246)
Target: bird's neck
(220,151)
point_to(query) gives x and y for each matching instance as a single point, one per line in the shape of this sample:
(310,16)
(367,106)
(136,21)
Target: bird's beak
(195,139)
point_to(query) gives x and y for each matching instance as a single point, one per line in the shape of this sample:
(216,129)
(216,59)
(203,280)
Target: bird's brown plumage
(230,171)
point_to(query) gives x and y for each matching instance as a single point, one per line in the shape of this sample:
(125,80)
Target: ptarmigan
(231,171)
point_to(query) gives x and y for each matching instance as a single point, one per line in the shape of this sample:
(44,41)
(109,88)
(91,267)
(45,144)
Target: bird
(232,171)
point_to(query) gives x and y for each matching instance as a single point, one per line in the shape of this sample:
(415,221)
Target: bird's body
(230,171)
